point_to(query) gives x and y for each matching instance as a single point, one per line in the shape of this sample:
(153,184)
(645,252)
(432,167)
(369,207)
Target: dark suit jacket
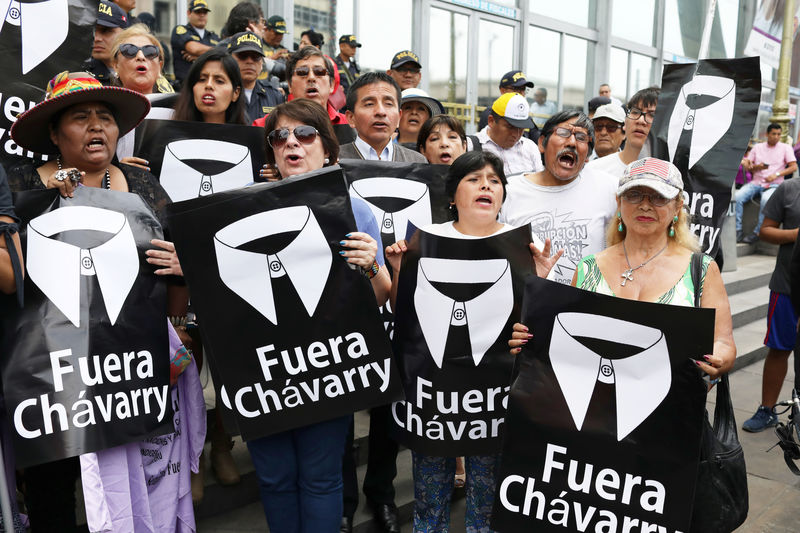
(400,153)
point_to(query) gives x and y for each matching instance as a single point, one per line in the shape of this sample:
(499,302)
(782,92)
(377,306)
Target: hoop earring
(672,226)
(620,227)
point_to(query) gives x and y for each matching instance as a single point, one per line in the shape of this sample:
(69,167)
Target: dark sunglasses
(318,71)
(128,50)
(610,128)
(634,196)
(304,134)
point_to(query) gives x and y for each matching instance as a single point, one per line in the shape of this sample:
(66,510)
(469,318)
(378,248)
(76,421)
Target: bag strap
(724,422)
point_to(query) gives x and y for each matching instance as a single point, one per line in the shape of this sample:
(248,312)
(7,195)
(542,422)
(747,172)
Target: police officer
(248,50)
(346,61)
(192,39)
(111,20)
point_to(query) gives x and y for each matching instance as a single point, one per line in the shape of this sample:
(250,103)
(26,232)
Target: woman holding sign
(648,257)
(476,186)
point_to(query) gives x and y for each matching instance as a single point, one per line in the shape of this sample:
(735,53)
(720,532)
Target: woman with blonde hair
(138,59)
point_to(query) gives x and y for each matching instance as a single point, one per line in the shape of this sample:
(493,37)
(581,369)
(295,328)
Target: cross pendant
(626,276)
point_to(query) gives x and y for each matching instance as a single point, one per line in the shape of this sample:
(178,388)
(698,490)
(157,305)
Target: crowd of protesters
(527,161)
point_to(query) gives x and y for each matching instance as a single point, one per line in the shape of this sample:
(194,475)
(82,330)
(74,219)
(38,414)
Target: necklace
(105,184)
(628,274)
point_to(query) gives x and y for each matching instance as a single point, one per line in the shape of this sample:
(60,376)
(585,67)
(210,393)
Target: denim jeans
(747,193)
(300,477)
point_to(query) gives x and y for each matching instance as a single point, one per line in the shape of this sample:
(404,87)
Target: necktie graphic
(114,264)
(304,262)
(42,26)
(703,113)
(199,167)
(395,202)
(641,381)
(462,305)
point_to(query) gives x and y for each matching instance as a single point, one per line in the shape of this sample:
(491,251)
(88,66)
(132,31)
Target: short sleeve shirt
(777,157)
(182,34)
(784,207)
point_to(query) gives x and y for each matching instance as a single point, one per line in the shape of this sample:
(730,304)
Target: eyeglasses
(318,71)
(304,134)
(635,113)
(634,196)
(128,50)
(610,128)
(580,136)
(408,70)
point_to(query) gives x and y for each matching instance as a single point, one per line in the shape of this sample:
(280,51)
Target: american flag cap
(657,174)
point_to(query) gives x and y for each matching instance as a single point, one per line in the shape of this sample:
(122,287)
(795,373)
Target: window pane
(683,27)
(727,20)
(574,77)
(448,65)
(633,20)
(315,14)
(580,12)
(494,59)
(382,41)
(641,69)
(542,70)
(618,70)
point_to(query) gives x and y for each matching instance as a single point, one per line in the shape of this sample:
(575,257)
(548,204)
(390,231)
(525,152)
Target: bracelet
(178,321)
(372,271)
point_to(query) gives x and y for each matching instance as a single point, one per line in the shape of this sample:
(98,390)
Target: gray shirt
(784,208)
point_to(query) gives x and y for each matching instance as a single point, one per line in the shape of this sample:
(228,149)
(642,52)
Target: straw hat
(32,128)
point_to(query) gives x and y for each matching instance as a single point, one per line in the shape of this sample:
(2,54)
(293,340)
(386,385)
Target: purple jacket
(145,486)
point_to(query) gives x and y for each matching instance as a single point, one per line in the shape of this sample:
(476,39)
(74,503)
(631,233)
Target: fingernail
(530,336)
(341,243)
(525,341)
(526,328)
(707,358)
(148,169)
(341,252)
(348,235)
(696,362)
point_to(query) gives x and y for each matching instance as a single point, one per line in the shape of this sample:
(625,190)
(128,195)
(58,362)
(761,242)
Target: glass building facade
(569,48)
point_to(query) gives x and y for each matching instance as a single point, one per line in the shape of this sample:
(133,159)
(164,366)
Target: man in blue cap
(111,20)
(512,82)
(192,39)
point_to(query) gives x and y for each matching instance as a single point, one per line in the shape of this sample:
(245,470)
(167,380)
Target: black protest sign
(191,162)
(87,366)
(604,416)
(706,113)
(398,194)
(37,41)
(457,300)
(292,330)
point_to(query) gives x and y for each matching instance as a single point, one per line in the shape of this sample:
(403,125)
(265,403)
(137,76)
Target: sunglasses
(635,197)
(304,134)
(610,128)
(318,71)
(580,136)
(128,50)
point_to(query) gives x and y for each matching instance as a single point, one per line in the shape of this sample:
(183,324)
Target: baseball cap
(597,101)
(111,15)
(516,79)
(661,176)
(403,57)
(197,5)
(245,41)
(612,111)
(418,95)
(515,109)
(276,23)
(349,39)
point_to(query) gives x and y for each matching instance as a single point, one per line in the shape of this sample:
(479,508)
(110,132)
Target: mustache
(568,150)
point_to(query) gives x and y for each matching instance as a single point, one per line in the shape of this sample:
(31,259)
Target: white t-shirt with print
(573,216)
(610,164)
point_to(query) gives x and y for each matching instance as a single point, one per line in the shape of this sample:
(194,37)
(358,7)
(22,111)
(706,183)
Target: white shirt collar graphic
(183,182)
(56,267)
(306,260)
(370,154)
(43,27)
(419,212)
(709,123)
(485,315)
(641,381)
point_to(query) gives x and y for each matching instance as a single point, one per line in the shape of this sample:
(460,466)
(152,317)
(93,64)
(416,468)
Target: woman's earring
(327,161)
(620,227)
(672,226)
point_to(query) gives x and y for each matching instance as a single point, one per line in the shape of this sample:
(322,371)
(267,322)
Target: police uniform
(99,70)
(348,72)
(262,99)
(181,35)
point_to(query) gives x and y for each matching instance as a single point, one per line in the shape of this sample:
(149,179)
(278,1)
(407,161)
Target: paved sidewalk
(774,490)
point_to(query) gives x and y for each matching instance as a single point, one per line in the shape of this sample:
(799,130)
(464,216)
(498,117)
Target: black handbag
(720,498)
